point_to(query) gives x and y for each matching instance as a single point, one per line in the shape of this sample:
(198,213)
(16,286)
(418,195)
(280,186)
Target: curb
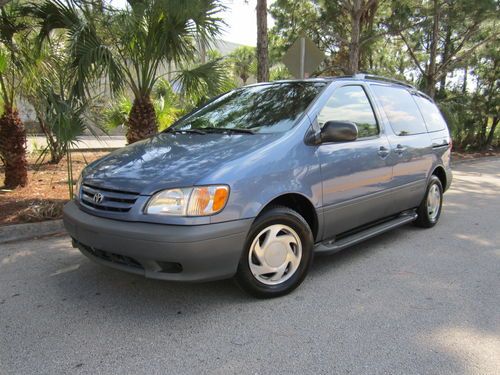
(18,232)
(95,149)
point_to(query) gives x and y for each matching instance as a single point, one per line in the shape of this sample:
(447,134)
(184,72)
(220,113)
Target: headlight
(197,201)
(78,186)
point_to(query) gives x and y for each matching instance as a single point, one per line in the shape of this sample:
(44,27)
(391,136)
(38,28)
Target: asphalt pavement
(411,301)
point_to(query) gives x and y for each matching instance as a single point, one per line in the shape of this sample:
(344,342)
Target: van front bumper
(159,251)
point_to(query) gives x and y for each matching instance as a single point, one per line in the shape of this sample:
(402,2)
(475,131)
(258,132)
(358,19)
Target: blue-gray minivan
(255,182)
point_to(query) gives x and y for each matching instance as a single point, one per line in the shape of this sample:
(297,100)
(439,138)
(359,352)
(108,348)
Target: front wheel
(277,255)
(430,208)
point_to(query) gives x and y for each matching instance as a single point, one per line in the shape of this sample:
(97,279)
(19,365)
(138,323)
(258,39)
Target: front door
(356,175)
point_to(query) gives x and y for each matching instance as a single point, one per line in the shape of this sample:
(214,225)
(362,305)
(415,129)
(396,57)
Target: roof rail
(383,79)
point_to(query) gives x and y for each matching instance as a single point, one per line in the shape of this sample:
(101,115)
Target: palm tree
(50,88)
(243,59)
(129,46)
(12,131)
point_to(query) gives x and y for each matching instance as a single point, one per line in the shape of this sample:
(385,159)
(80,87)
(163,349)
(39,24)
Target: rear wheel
(429,210)
(278,253)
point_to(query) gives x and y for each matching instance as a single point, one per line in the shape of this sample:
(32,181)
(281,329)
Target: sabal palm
(129,46)
(12,67)
(244,62)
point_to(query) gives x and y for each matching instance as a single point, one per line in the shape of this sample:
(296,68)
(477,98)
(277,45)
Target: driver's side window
(350,103)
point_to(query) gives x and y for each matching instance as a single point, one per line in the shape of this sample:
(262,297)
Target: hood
(170,160)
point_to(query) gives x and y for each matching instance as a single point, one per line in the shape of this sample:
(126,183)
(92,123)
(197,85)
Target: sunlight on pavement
(66,269)
(479,240)
(478,351)
(12,258)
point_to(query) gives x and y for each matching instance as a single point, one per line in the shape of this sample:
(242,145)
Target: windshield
(269,108)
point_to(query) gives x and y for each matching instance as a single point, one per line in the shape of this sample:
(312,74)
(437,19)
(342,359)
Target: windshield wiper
(229,130)
(195,131)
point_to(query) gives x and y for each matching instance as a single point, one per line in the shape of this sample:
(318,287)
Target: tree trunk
(262,42)
(13,149)
(464,84)
(366,23)
(431,69)
(55,149)
(491,134)
(481,135)
(141,120)
(444,57)
(430,84)
(354,47)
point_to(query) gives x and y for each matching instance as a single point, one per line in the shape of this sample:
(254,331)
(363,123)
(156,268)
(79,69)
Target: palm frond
(116,113)
(205,81)
(91,58)
(166,112)
(11,22)
(4,59)
(163,89)
(205,15)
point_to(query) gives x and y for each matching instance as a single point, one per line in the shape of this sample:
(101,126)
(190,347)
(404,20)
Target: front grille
(107,199)
(111,257)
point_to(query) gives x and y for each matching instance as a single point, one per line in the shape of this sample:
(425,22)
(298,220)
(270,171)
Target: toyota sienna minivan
(256,182)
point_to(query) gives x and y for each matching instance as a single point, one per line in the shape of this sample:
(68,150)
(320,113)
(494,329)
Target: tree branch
(465,38)
(445,67)
(367,5)
(412,53)
(389,31)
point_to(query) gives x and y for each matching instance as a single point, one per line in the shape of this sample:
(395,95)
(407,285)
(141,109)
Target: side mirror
(339,131)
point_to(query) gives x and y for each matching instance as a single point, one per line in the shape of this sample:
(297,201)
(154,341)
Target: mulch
(46,193)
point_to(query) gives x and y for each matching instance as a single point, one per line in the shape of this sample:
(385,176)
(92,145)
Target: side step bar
(332,246)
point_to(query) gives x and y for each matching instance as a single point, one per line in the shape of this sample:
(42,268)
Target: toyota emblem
(98,198)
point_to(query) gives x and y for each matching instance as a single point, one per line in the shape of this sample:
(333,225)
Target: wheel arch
(440,173)
(299,203)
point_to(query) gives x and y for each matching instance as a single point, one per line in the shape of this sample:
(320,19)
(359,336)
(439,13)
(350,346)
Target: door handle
(442,144)
(383,152)
(399,149)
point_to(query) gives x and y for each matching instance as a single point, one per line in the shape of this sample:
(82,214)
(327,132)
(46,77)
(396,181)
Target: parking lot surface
(411,301)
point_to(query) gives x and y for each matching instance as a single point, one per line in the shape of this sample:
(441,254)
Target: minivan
(257,181)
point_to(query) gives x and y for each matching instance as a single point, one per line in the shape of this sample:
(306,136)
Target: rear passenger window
(350,103)
(401,110)
(432,117)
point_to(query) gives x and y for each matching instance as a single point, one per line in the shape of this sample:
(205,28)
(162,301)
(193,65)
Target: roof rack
(383,79)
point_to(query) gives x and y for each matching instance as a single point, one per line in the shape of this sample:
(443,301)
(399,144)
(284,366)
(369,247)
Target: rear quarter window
(432,116)
(401,110)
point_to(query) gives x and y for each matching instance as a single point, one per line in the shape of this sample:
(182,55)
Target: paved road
(84,142)
(409,302)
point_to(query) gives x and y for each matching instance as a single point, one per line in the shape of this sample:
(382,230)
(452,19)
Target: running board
(332,246)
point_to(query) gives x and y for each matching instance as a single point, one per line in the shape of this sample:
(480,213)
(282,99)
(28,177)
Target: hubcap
(275,254)
(433,202)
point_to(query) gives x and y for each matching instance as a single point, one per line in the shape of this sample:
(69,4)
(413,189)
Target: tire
(427,214)
(280,241)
